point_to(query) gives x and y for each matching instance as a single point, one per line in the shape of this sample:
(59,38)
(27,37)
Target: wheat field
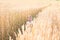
(38,20)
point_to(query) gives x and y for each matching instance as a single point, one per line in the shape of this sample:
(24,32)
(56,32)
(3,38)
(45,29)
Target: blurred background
(19,19)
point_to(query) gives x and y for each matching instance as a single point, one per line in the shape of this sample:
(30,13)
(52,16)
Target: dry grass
(45,27)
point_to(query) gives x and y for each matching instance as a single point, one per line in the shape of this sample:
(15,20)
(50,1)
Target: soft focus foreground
(23,26)
(14,13)
(46,25)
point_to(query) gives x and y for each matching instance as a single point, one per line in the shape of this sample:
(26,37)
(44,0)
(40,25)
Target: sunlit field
(29,20)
